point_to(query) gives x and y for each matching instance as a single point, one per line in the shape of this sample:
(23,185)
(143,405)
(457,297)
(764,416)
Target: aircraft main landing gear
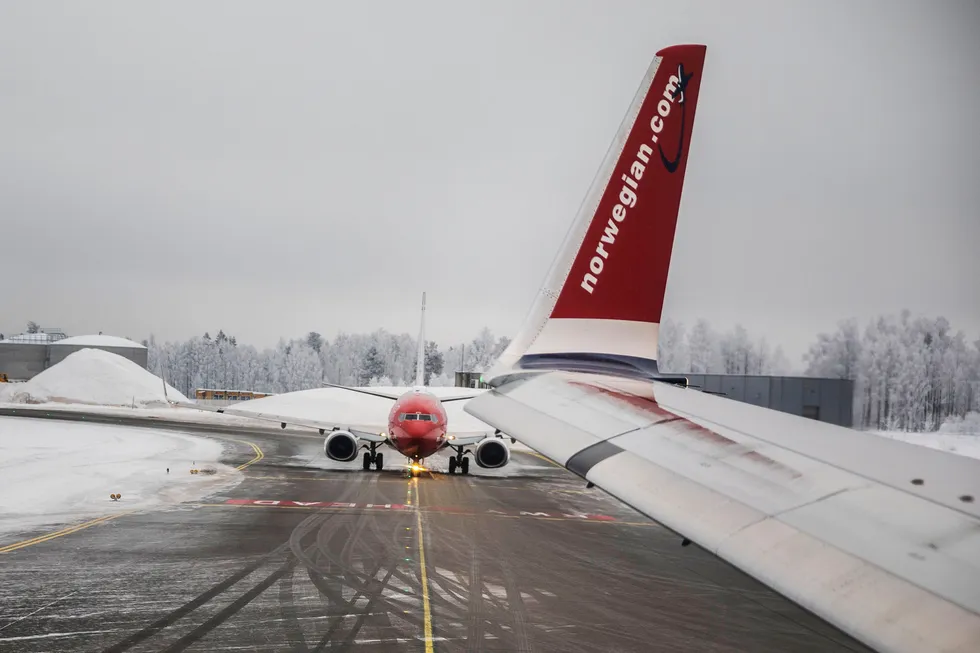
(373,458)
(460,463)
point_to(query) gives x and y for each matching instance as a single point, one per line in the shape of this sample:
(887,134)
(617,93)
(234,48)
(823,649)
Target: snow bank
(7,391)
(56,472)
(963,445)
(98,341)
(92,376)
(970,424)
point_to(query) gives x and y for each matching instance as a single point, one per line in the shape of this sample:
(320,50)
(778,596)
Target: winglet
(600,307)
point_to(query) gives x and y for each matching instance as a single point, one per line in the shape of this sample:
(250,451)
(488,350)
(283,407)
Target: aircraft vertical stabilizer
(420,361)
(600,307)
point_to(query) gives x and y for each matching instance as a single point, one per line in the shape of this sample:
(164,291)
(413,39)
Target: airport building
(825,400)
(24,356)
(469,380)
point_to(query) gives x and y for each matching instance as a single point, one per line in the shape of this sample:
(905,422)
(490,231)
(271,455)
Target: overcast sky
(272,168)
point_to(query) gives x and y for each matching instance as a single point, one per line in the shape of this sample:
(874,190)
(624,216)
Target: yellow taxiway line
(544,458)
(426,607)
(64,531)
(258,454)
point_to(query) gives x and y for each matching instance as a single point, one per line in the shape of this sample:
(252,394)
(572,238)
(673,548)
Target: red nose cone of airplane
(417,440)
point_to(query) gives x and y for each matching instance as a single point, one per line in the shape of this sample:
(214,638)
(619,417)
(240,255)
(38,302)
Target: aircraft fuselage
(417,424)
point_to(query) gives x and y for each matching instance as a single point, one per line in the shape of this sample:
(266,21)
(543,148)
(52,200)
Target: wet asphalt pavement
(308,555)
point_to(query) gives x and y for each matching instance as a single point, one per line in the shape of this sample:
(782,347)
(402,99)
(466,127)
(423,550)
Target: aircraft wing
(363,391)
(466,439)
(363,432)
(878,537)
(385,395)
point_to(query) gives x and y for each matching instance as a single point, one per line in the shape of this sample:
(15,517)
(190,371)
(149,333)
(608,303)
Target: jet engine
(492,453)
(340,445)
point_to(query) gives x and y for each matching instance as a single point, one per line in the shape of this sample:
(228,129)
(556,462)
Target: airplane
(879,537)
(417,428)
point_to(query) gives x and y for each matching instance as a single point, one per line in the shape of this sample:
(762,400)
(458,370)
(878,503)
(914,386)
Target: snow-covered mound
(99,341)
(960,444)
(92,376)
(967,425)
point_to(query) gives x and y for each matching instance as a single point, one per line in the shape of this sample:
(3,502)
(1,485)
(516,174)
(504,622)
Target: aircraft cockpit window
(418,417)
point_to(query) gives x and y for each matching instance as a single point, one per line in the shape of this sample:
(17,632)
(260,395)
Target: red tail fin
(628,244)
(601,306)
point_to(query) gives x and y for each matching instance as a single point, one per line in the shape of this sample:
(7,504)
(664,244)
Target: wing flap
(846,540)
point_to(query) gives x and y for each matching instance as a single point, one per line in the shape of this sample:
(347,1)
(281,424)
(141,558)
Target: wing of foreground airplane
(880,538)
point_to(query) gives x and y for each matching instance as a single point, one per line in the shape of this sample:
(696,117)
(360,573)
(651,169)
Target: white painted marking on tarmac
(46,605)
(76,633)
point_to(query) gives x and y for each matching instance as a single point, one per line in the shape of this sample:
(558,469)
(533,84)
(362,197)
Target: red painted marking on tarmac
(399,506)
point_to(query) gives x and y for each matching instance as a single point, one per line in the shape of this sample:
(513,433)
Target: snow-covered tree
(443,380)
(835,355)
(373,365)
(909,373)
(433,360)
(315,341)
(672,353)
(702,348)
(302,368)
(736,351)
(482,350)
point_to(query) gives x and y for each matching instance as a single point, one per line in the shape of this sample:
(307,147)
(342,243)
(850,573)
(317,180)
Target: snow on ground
(92,376)
(969,424)
(56,472)
(960,444)
(99,341)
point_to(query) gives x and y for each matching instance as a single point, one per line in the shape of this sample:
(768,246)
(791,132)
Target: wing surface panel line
(849,470)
